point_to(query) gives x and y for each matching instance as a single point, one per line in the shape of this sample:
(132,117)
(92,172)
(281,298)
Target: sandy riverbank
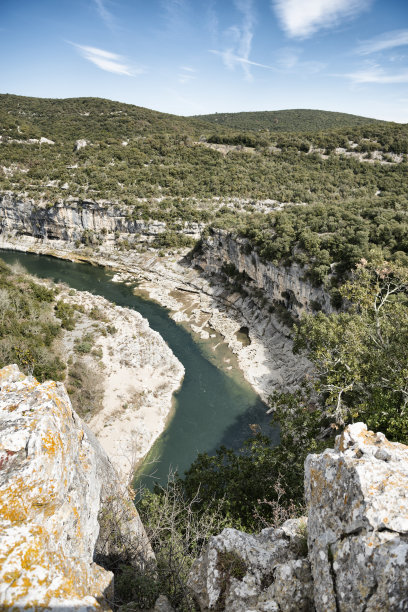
(126,374)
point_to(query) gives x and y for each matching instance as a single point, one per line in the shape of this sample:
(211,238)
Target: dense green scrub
(333,238)
(294,120)
(29,327)
(162,156)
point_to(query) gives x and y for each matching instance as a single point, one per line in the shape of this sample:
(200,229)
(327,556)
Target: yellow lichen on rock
(48,503)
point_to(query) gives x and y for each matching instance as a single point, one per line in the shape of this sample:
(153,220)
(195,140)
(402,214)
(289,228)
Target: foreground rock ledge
(358,523)
(356,555)
(57,486)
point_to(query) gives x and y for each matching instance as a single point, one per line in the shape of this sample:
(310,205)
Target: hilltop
(89,118)
(292,120)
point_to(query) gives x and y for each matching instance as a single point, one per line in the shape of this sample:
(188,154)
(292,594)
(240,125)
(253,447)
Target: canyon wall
(279,284)
(70,221)
(101,224)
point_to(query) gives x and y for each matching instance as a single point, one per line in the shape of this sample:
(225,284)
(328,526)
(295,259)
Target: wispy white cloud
(245,7)
(386,40)
(376,74)
(230,60)
(212,19)
(302,18)
(239,41)
(105,60)
(173,13)
(105,14)
(186,74)
(289,59)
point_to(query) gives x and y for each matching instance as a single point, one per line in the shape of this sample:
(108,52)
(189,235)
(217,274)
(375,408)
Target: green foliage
(171,239)
(65,312)
(360,355)
(243,481)
(297,120)
(178,530)
(84,345)
(137,587)
(28,328)
(331,238)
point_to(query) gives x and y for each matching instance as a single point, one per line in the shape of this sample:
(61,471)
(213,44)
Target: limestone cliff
(355,558)
(67,221)
(278,284)
(58,491)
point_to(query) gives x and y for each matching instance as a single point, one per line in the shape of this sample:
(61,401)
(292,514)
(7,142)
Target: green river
(214,405)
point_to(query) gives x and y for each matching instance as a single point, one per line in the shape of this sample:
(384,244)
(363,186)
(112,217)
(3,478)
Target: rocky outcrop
(240,572)
(358,523)
(75,220)
(58,492)
(279,284)
(356,558)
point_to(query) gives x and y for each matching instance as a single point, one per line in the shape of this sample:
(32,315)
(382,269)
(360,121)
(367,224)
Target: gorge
(190,283)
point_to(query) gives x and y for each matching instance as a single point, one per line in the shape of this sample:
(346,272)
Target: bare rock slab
(55,483)
(357,496)
(267,572)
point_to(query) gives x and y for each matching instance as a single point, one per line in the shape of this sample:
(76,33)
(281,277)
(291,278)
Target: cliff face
(279,284)
(103,222)
(58,491)
(349,555)
(69,221)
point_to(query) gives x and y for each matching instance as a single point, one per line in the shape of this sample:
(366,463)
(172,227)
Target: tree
(360,356)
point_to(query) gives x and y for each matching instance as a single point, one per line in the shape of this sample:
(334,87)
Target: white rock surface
(55,482)
(358,523)
(80,144)
(357,540)
(240,572)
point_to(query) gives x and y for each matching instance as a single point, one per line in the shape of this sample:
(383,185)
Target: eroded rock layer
(282,285)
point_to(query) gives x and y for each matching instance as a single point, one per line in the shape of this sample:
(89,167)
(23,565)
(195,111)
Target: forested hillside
(296,120)
(350,182)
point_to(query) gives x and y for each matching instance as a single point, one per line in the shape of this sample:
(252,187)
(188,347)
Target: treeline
(294,120)
(165,166)
(95,119)
(381,136)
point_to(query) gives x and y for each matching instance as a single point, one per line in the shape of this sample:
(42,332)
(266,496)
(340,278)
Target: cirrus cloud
(386,40)
(105,60)
(376,74)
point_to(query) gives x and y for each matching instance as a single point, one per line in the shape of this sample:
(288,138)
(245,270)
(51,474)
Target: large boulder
(267,572)
(58,492)
(358,523)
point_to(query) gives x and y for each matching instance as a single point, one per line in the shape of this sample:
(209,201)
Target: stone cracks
(357,539)
(358,530)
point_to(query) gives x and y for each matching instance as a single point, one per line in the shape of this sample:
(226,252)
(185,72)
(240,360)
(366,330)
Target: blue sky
(201,56)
